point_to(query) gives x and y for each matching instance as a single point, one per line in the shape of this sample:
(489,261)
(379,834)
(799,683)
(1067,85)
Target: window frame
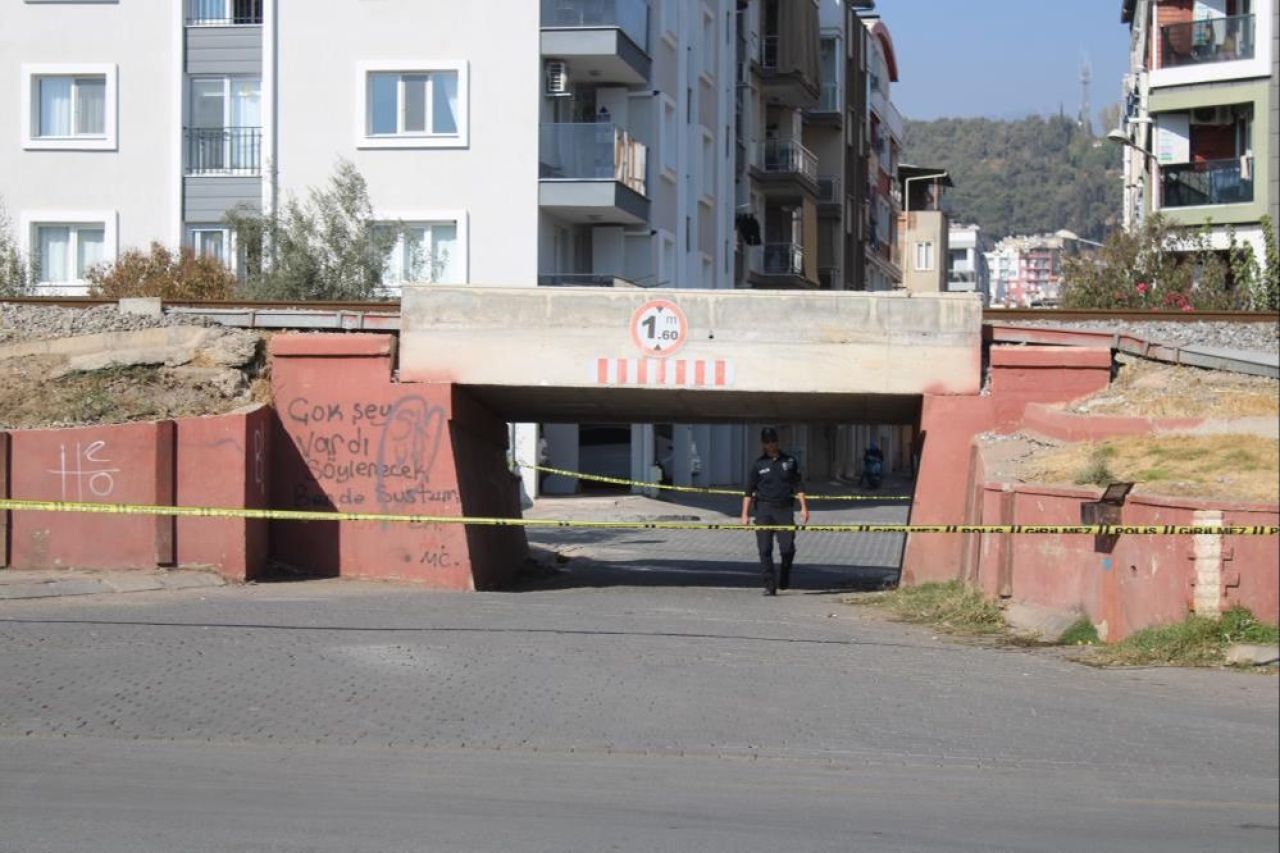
(31,75)
(411,218)
(29,221)
(365,138)
(927,246)
(668,137)
(229,249)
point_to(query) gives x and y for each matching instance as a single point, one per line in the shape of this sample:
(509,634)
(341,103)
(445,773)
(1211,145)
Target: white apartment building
(967,270)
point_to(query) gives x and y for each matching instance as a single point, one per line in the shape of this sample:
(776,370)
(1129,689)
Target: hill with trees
(1031,175)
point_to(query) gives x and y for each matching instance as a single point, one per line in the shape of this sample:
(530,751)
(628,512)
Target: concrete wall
(127,463)
(350,439)
(492,178)
(1145,580)
(756,342)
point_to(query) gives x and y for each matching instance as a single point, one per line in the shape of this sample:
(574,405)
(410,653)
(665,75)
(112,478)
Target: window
(67,251)
(426,248)
(708,188)
(667,23)
(68,106)
(924,257)
(666,257)
(211,241)
(670,138)
(708,46)
(224,135)
(413,107)
(224,13)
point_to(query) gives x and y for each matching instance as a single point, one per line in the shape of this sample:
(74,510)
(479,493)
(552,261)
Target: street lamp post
(1075,238)
(1150,164)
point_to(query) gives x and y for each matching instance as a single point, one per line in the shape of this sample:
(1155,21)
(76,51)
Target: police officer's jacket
(774,481)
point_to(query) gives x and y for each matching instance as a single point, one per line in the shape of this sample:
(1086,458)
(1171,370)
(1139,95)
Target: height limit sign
(659,328)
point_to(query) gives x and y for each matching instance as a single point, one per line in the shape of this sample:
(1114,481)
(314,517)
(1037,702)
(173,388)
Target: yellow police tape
(315,515)
(618,481)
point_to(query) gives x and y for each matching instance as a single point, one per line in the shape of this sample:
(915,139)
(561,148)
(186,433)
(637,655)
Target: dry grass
(1149,390)
(1231,467)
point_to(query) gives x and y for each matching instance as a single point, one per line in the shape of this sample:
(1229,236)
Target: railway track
(989,315)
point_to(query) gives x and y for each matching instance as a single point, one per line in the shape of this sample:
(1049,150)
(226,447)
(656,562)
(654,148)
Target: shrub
(163,273)
(17,273)
(326,247)
(1161,267)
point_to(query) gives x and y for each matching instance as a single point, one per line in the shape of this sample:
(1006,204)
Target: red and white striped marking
(665,372)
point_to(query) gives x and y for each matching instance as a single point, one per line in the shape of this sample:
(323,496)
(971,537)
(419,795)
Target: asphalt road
(646,698)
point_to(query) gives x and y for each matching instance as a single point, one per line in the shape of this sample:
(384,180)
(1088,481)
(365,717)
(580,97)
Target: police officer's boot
(784,577)
(770,576)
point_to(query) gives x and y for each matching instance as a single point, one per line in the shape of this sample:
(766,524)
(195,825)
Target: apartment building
(967,270)
(648,143)
(924,228)
(1202,118)
(1026,271)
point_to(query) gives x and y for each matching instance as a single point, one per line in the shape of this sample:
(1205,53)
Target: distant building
(923,229)
(1026,271)
(1201,115)
(967,270)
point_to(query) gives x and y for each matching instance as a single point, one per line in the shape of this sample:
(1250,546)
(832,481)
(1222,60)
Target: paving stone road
(646,697)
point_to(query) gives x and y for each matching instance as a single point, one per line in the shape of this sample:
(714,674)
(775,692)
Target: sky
(1004,58)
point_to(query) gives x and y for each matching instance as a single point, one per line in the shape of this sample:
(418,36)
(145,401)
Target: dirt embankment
(1238,459)
(122,371)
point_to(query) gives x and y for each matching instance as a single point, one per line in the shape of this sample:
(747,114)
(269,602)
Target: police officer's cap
(768,434)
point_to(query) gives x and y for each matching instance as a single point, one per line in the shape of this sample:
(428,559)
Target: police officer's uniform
(773,482)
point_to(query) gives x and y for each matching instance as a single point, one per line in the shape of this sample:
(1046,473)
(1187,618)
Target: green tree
(1033,175)
(1160,267)
(1266,294)
(18,273)
(325,247)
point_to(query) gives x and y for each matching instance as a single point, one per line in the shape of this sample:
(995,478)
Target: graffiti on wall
(88,473)
(361,453)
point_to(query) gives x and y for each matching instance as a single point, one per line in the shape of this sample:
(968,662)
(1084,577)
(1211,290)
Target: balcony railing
(583,279)
(786,157)
(829,100)
(828,189)
(630,16)
(769,53)
(224,150)
(1211,40)
(783,259)
(1210,182)
(591,152)
(224,13)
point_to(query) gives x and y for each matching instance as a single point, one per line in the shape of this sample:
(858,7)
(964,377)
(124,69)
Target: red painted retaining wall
(124,463)
(224,461)
(1056,422)
(1144,581)
(350,438)
(1019,376)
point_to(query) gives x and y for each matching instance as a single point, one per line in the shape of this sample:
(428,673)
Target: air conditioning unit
(1212,115)
(558,78)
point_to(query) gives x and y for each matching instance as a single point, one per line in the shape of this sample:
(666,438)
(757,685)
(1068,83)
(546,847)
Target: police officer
(774,483)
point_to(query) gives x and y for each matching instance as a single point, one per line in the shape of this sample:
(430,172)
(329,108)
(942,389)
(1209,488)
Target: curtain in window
(55,106)
(53,244)
(446,256)
(246,103)
(444,117)
(415,103)
(208,10)
(91,106)
(89,250)
(382,103)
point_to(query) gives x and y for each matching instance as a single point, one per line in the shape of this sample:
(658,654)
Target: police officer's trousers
(774,514)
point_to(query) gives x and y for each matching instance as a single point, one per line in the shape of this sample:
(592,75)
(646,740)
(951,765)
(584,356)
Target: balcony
(1206,183)
(1202,42)
(604,41)
(829,192)
(778,266)
(592,173)
(224,151)
(224,13)
(786,168)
